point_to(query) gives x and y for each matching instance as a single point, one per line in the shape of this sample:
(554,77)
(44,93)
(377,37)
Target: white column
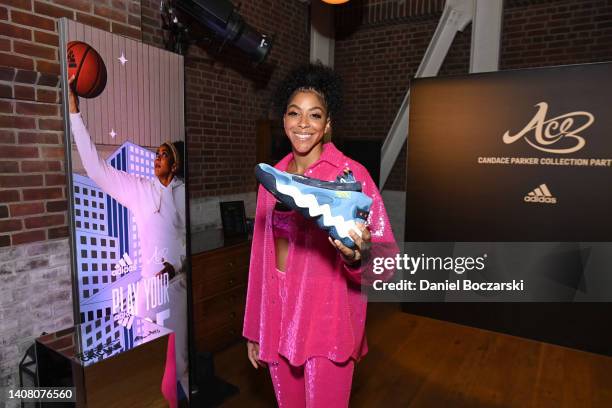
(321,33)
(486,35)
(456,16)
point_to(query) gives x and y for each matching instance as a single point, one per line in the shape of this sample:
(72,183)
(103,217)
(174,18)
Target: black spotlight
(223,19)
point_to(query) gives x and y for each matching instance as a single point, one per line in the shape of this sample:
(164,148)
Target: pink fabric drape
(168,386)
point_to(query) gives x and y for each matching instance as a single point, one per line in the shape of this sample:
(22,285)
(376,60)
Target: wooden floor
(421,362)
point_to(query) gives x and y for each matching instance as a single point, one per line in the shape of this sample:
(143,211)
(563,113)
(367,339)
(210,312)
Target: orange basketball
(88,69)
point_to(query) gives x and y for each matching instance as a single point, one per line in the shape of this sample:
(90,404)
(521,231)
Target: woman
(158,207)
(305,313)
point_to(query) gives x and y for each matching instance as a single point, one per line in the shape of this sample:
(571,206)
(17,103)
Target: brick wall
(35,297)
(225,96)
(35,280)
(32,174)
(379,57)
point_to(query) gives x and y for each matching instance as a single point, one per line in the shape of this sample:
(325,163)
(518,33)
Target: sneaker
(336,206)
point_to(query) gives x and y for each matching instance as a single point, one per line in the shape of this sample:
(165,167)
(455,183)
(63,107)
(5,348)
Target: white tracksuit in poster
(159,212)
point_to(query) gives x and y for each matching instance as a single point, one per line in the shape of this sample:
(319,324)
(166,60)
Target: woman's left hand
(362,245)
(169,269)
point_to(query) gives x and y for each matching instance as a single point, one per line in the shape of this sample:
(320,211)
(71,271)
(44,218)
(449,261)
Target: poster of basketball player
(125,104)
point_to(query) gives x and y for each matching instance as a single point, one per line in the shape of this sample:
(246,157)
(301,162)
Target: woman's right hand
(73,100)
(253,354)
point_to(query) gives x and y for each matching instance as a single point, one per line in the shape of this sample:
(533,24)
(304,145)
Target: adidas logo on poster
(124,319)
(540,195)
(124,266)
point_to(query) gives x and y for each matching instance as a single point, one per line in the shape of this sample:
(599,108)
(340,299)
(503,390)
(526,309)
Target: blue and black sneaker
(336,206)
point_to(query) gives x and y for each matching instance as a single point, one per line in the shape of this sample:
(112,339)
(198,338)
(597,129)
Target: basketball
(88,69)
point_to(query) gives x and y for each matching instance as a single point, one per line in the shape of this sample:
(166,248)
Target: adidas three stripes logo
(540,194)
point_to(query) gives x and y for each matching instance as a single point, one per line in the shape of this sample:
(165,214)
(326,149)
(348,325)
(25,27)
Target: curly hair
(314,77)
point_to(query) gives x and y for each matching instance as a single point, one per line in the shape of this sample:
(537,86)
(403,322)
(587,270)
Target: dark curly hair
(315,77)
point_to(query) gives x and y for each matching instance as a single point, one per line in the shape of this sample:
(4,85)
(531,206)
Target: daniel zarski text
(465,285)
(458,265)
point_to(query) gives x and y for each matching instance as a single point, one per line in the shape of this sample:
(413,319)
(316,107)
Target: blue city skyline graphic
(106,234)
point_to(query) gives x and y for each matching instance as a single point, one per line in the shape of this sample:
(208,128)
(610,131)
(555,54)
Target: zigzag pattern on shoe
(336,206)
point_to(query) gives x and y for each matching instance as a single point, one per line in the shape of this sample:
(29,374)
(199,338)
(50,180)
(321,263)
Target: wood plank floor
(420,362)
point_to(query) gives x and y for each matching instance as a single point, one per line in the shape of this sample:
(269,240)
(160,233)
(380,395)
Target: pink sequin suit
(323,313)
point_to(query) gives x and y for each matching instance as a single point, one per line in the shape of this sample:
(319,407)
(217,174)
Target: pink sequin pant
(320,383)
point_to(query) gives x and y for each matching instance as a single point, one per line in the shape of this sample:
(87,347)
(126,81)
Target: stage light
(335,1)
(223,19)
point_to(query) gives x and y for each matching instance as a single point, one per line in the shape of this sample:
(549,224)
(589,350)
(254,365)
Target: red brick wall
(225,97)
(150,23)
(32,174)
(223,103)
(379,58)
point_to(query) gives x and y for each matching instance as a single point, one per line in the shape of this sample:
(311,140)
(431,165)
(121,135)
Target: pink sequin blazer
(324,311)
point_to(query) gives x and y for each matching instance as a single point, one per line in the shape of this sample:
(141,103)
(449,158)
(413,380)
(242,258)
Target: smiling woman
(305,314)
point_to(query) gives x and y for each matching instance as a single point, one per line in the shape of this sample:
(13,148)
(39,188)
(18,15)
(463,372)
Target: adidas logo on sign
(540,195)
(124,319)
(124,266)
